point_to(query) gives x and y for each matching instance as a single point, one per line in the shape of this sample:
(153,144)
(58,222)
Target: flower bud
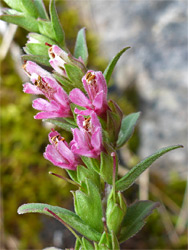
(115,212)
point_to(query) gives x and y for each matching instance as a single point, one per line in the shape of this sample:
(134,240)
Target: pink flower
(96,88)
(45,84)
(58,58)
(59,152)
(87,140)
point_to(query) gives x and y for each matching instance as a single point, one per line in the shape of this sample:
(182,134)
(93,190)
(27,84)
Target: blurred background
(150,77)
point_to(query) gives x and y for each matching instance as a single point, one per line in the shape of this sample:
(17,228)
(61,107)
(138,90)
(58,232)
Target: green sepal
(115,211)
(108,71)
(72,174)
(127,180)
(46,28)
(106,167)
(28,23)
(115,242)
(75,75)
(83,173)
(67,216)
(88,205)
(14,4)
(36,49)
(64,82)
(38,59)
(127,128)
(105,242)
(135,217)
(86,244)
(78,245)
(29,8)
(41,9)
(58,31)
(91,163)
(114,117)
(41,39)
(62,124)
(80,49)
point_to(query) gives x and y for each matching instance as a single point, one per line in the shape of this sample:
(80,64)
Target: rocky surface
(157,62)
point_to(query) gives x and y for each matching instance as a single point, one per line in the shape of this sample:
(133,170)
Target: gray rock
(158,60)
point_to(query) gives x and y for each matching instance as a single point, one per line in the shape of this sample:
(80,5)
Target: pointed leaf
(127,128)
(41,39)
(127,180)
(46,28)
(41,9)
(108,71)
(67,216)
(64,125)
(106,167)
(59,33)
(29,8)
(91,163)
(87,245)
(28,23)
(38,59)
(14,4)
(81,46)
(135,217)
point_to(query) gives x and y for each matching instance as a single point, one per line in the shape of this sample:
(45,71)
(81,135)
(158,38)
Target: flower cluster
(87,138)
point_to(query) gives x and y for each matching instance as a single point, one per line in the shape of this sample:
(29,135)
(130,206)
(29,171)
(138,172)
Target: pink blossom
(87,140)
(45,84)
(59,152)
(96,88)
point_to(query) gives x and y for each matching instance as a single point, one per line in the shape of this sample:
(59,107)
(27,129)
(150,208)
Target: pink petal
(80,120)
(77,97)
(32,67)
(31,89)
(96,140)
(47,115)
(98,101)
(95,121)
(65,152)
(44,105)
(83,112)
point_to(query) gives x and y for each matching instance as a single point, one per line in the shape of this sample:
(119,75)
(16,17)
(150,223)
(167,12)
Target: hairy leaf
(38,59)
(108,71)
(62,124)
(59,33)
(127,180)
(41,9)
(67,216)
(135,217)
(127,128)
(81,46)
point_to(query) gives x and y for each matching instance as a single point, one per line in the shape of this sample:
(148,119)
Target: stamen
(47,44)
(87,124)
(90,77)
(57,138)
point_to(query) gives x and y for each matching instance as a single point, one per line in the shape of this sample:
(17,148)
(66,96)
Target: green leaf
(108,71)
(83,173)
(29,8)
(88,205)
(115,242)
(46,28)
(36,49)
(41,9)
(91,163)
(127,128)
(67,216)
(81,46)
(127,180)
(59,33)
(135,217)
(14,4)
(106,167)
(64,125)
(38,59)
(28,23)
(75,75)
